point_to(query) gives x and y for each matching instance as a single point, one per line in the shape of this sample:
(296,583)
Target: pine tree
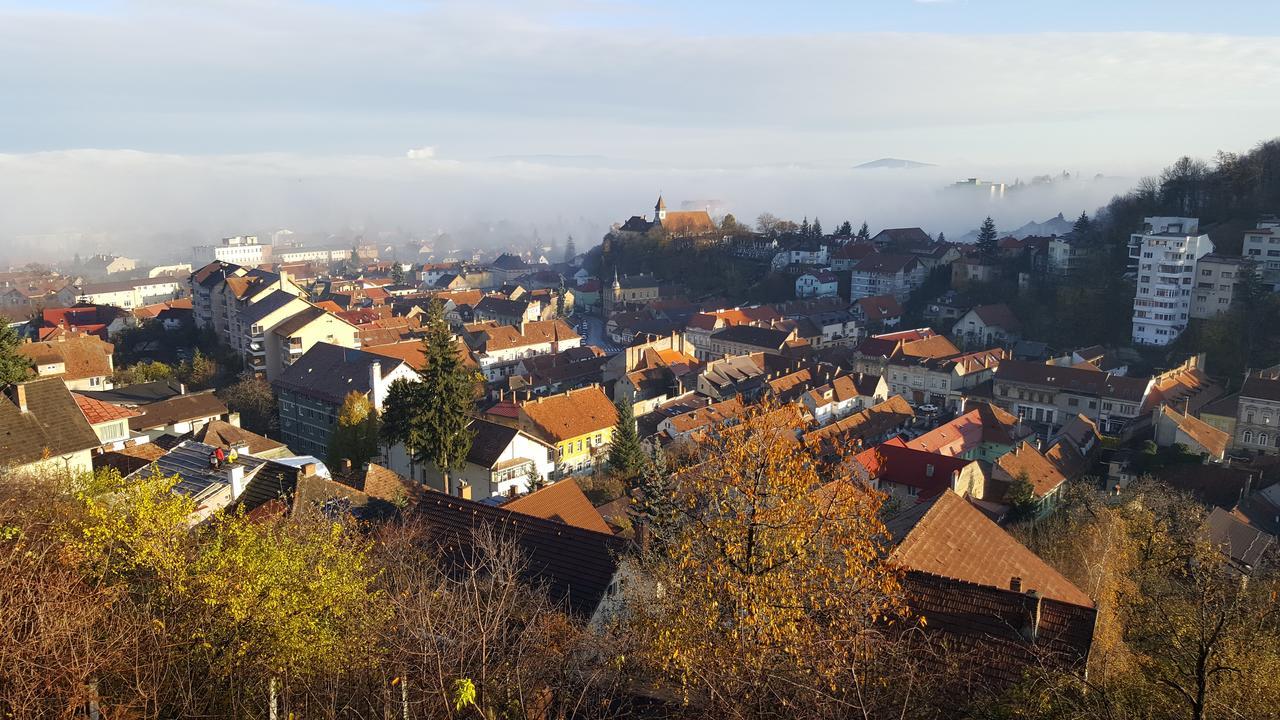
(570,251)
(986,244)
(864,233)
(14,366)
(432,416)
(845,230)
(626,457)
(355,437)
(816,230)
(804,227)
(942,237)
(397,273)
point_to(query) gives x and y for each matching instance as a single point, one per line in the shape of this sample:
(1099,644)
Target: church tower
(660,210)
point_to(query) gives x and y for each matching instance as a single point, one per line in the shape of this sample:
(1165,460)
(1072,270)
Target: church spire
(660,209)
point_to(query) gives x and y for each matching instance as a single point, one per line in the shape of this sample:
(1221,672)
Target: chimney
(20,390)
(1015,584)
(346,464)
(182,388)
(375,384)
(235,473)
(308,469)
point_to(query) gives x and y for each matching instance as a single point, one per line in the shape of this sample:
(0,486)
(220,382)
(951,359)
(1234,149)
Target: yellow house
(578,423)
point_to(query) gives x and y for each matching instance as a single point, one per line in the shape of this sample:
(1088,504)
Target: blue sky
(280,111)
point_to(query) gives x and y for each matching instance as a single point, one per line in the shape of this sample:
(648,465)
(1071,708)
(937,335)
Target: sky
(136,119)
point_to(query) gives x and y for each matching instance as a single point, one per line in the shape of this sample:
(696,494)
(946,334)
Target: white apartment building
(239,250)
(130,294)
(1263,244)
(1166,252)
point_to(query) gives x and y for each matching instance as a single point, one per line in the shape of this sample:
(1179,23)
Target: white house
(498,349)
(503,461)
(820,283)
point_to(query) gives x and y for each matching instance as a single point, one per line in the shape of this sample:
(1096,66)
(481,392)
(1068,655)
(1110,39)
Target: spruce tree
(570,252)
(1080,230)
(431,417)
(986,244)
(864,233)
(397,273)
(942,237)
(14,366)
(653,506)
(626,457)
(804,227)
(816,230)
(845,230)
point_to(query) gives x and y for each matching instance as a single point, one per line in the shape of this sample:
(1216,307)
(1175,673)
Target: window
(1262,439)
(1248,436)
(913,491)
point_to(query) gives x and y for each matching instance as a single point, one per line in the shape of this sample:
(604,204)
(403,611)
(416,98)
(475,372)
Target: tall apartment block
(1166,252)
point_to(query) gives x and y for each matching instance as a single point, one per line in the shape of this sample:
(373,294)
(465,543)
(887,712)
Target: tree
(199,371)
(560,293)
(653,510)
(285,602)
(397,273)
(986,245)
(432,417)
(148,371)
(816,230)
(252,397)
(14,366)
(626,457)
(1021,498)
(773,579)
(864,233)
(942,237)
(805,230)
(570,251)
(355,436)
(845,230)
(1080,228)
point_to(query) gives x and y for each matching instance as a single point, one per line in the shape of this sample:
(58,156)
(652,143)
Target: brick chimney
(20,396)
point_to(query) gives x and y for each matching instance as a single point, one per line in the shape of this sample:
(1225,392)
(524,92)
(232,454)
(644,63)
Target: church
(676,223)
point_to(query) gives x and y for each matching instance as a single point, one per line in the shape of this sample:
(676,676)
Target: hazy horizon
(152,124)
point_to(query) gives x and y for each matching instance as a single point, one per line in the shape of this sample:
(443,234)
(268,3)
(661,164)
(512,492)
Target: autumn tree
(986,245)
(355,436)
(14,366)
(626,457)
(199,371)
(148,371)
(774,579)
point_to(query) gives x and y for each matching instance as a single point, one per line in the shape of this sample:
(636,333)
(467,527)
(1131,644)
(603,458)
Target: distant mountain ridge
(1057,225)
(895,163)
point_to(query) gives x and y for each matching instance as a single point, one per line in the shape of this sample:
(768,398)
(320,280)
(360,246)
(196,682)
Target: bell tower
(660,210)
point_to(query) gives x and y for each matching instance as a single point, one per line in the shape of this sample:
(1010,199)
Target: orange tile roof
(82,356)
(955,540)
(562,501)
(571,414)
(97,411)
(1043,474)
(1207,436)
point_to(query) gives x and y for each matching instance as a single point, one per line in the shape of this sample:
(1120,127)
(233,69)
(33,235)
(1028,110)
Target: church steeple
(660,210)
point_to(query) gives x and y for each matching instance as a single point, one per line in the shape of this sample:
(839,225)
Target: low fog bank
(155,206)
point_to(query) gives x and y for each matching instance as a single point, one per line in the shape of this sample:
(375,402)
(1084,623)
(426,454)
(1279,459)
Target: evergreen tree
(653,505)
(804,227)
(14,366)
(625,454)
(397,273)
(942,237)
(1080,230)
(845,230)
(864,233)
(431,417)
(560,293)
(355,437)
(570,251)
(986,244)
(816,230)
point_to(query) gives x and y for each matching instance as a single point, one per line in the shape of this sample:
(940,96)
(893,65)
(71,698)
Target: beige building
(83,362)
(293,337)
(44,431)
(1258,414)
(1216,279)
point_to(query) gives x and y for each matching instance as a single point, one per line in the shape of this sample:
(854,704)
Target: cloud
(422,153)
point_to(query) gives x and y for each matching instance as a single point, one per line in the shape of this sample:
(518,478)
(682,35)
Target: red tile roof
(98,412)
(901,465)
(563,501)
